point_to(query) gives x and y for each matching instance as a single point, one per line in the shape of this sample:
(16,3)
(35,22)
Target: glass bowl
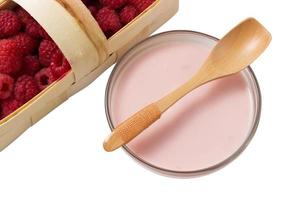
(205,130)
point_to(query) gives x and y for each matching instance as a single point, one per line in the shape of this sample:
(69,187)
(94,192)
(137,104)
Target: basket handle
(74,43)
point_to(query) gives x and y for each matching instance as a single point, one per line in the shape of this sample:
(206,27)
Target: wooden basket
(85,46)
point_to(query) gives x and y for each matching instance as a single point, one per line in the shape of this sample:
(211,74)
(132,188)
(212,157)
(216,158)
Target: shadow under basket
(89,56)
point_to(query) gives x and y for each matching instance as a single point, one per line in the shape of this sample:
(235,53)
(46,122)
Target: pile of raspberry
(112,15)
(29,60)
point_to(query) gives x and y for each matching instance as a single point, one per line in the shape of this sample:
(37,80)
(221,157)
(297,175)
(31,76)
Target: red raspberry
(8,106)
(31,65)
(57,58)
(25,88)
(6,86)
(9,23)
(93,10)
(109,21)
(35,30)
(46,50)
(8,46)
(23,15)
(127,14)
(60,70)
(44,34)
(113,4)
(141,5)
(26,44)
(10,64)
(59,65)
(10,57)
(44,78)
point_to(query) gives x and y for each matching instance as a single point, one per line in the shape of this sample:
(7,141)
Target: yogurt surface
(204,128)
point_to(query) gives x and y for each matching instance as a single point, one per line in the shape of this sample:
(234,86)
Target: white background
(61,157)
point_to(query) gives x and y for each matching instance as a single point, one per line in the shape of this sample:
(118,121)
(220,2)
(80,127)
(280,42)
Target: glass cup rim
(175,173)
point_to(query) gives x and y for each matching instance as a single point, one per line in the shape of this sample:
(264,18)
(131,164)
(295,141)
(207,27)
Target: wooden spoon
(237,50)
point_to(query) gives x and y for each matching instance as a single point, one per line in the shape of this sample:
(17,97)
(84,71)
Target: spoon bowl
(238,49)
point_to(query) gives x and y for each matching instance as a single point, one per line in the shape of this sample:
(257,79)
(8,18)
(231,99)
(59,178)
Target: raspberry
(25,88)
(127,14)
(57,58)
(9,23)
(23,15)
(26,44)
(44,78)
(93,10)
(10,64)
(10,57)
(46,50)
(141,5)
(113,4)
(6,86)
(59,65)
(109,21)
(63,69)
(8,46)
(8,106)
(44,34)
(35,30)
(31,65)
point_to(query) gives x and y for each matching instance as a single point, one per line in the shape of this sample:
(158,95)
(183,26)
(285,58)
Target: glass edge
(184,174)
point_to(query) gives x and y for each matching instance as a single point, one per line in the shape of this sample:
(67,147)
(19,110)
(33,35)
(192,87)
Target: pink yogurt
(203,131)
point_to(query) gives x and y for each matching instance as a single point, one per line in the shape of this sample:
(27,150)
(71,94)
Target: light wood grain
(87,22)
(234,52)
(137,123)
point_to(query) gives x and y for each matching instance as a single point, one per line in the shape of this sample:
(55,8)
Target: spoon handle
(132,127)
(144,118)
